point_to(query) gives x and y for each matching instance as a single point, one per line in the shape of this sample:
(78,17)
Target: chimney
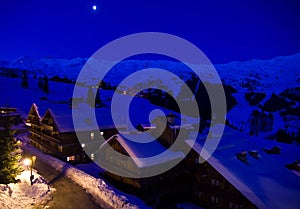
(171,118)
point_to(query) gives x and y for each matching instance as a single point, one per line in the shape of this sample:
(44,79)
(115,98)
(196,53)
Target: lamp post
(30,162)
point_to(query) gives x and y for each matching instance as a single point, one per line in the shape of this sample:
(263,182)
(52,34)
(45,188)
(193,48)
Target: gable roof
(34,110)
(265,180)
(62,117)
(145,150)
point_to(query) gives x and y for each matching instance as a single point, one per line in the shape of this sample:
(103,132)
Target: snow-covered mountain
(271,75)
(266,89)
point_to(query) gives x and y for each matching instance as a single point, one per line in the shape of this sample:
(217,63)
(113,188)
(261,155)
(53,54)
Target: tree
(43,83)
(97,99)
(9,154)
(46,84)
(24,79)
(40,82)
(90,100)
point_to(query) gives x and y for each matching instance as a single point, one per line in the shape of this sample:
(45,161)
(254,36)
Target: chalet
(241,174)
(55,134)
(12,113)
(140,159)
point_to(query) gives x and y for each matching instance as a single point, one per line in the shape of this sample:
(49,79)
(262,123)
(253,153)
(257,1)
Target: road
(68,195)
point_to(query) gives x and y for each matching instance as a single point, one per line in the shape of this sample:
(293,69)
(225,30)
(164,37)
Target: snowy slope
(268,76)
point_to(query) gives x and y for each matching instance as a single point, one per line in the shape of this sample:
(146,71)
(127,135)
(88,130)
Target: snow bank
(103,194)
(22,195)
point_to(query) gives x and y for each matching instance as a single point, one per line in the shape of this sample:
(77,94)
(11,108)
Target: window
(71,158)
(92,135)
(232,205)
(214,199)
(60,148)
(215,182)
(200,195)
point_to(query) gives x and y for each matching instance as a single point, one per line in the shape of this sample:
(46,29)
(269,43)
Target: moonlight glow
(94,7)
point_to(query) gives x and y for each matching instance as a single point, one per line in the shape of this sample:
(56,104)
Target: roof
(62,115)
(139,112)
(84,119)
(145,150)
(265,180)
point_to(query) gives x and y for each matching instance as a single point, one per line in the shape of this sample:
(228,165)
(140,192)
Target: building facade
(55,135)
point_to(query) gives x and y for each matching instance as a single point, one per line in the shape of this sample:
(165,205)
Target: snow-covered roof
(145,150)
(140,110)
(62,116)
(34,106)
(265,180)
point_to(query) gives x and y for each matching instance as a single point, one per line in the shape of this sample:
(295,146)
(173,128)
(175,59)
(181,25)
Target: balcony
(44,135)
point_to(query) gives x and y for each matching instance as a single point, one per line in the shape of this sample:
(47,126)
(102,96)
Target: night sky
(224,30)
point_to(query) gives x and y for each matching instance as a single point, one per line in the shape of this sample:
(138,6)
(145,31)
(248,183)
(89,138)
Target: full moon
(94,7)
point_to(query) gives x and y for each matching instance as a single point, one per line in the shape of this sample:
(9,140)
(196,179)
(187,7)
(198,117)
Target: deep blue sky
(224,30)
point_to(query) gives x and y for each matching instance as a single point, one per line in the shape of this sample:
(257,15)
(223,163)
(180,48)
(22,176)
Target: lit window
(71,158)
(92,135)
(60,148)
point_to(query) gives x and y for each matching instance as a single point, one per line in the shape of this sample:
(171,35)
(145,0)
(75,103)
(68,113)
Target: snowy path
(68,195)
(104,195)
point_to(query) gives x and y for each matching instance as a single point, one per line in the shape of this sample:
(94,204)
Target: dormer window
(273,150)
(254,153)
(242,156)
(294,166)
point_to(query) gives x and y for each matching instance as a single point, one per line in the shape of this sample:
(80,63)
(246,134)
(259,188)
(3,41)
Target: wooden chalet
(240,174)
(9,112)
(156,190)
(55,134)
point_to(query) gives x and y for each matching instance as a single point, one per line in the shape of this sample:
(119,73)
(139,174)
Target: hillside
(267,91)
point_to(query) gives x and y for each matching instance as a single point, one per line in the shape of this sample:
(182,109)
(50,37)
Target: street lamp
(30,162)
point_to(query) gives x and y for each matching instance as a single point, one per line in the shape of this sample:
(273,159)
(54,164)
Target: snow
(21,194)
(265,181)
(103,194)
(269,76)
(153,153)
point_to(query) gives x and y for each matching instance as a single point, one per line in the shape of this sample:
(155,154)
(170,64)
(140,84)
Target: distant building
(12,113)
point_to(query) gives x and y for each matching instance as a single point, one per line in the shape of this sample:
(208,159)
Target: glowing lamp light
(94,7)
(30,162)
(27,162)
